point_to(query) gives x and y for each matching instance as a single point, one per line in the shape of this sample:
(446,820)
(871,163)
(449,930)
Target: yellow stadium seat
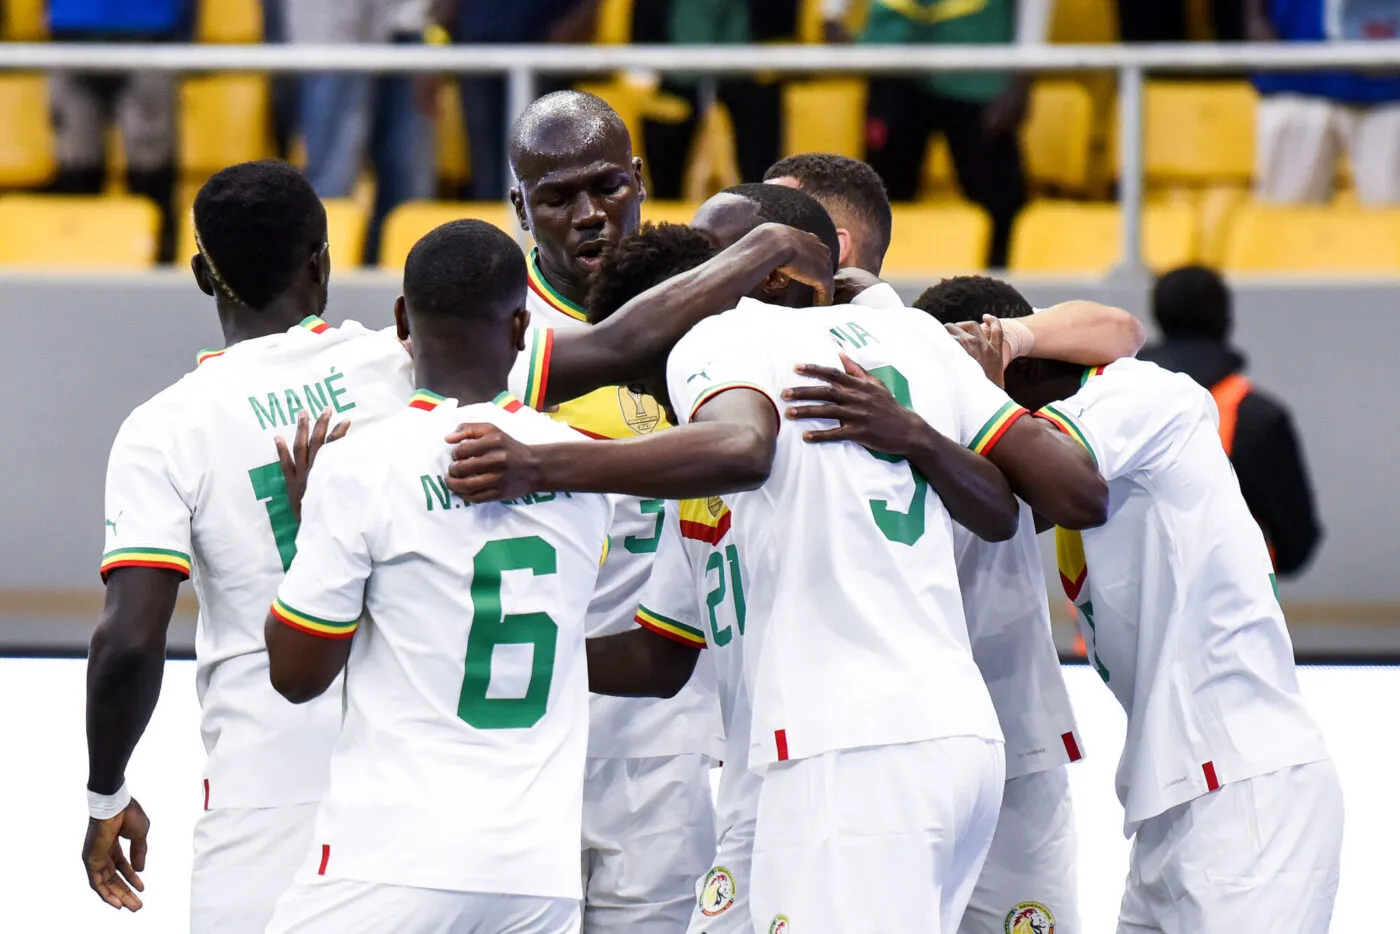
(1056,135)
(1085,21)
(637,101)
(453,150)
(669,212)
(25,21)
(937,238)
(229,21)
(1268,238)
(614,24)
(223,120)
(1199,132)
(939,181)
(100,232)
(1070,237)
(407,223)
(345,229)
(824,115)
(26,146)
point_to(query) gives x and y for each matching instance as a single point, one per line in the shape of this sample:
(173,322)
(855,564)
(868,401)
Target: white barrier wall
(45,770)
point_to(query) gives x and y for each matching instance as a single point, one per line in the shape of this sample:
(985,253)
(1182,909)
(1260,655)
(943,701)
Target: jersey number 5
(906,528)
(492,627)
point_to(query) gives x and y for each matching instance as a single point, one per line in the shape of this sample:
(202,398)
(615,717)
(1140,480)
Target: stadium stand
(949,237)
(223,119)
(1313,240)
(1070,237)
(408,222)
(26,147)
(103,232)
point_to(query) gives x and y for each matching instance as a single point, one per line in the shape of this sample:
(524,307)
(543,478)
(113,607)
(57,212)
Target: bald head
(578,188)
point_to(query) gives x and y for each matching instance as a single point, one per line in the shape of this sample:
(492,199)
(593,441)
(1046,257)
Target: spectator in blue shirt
(141,103)
(1307,120)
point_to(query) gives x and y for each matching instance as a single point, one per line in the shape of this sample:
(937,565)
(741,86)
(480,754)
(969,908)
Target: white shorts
(244,859)
(1029,884)
(1261,854)
(348,906)
(721,904)
(885,838)
(648,834)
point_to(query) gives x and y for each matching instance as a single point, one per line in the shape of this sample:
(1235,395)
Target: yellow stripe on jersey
(670,628)
(996,427)
(537,377)
(541,287)
(705,520)
(160,558)
(1063,422)
(314,625)
(612,412)
(607,550)
(1069,558)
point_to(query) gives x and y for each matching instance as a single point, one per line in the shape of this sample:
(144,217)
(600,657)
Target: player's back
(195,475)
(460,763)
(1176,595)
(856,634)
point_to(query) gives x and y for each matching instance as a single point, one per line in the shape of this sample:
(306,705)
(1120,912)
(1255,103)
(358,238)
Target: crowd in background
(351,122)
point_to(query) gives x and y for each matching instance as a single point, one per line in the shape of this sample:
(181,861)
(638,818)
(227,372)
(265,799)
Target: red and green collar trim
(312,323)
(1090,373)
(427,400)
(541,287)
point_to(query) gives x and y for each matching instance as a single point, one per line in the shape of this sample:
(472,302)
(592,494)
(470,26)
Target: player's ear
(637,176)
(518,201)
(401,318)
(200,268)
(321,265)
(844,237)
(520,326)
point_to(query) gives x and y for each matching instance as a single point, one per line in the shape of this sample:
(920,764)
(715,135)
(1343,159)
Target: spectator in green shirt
(978,113)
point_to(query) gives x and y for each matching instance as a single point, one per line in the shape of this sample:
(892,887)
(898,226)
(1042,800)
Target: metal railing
(521,64)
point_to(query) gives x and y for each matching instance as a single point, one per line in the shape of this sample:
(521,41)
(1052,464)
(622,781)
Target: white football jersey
(855,633)
(628,727)
(1008,621)
(697,596)
(194,485)
(1175,595)
(460,762)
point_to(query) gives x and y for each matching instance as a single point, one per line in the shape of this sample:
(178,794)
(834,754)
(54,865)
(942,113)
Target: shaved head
(578,188)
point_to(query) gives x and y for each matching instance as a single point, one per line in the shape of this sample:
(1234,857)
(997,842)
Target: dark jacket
(1267,457)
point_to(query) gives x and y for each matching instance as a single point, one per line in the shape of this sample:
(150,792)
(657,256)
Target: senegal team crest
(715,505)
(780,925)
(1030,918)
(640,412)
(717,892)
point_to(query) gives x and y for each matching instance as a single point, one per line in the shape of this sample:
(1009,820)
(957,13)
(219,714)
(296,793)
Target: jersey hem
(670,628)
(313,625)
(713,391)
(1065,424)
(165,559)
(996,427)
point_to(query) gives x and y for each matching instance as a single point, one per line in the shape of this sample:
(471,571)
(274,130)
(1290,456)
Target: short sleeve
(985,411)
(147,513)
(714,357)
(669,606)
(1124,417)
(529,375)
(324,591)
(881,295)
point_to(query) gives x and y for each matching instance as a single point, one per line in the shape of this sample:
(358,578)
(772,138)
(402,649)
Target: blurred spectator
(754,103)
(141,103)
(347,117)
(1170,20)
(979,113)
(285,88)
(1305,120)
(1192,308)
(484,96)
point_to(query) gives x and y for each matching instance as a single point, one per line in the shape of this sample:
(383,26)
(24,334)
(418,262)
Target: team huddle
(654,500)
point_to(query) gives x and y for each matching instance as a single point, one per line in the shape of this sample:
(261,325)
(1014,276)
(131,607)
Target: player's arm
(727,447)
(972,489)
(1082,332)
(634,340)
(319,604)
(639,663)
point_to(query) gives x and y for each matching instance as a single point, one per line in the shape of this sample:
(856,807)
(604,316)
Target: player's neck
(240,323)
(456,375)
(564,282)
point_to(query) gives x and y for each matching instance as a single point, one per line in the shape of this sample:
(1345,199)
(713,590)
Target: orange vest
(1228,394)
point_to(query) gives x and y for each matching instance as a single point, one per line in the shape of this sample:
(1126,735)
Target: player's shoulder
(1143,379)
(169,411)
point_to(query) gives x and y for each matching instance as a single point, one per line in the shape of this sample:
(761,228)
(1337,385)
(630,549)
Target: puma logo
(113,522)
(696,376)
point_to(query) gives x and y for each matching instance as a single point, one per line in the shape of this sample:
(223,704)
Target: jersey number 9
(906,528)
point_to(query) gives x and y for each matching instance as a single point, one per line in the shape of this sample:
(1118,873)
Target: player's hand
(867,411)
(984,343)
(111,875)
(802,257)
(850,282)
(297,462)
(489,465)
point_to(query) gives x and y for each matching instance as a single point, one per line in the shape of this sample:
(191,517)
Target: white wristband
(103,807)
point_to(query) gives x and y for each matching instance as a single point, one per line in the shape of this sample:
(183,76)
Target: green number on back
(1091,647)
(646,546)
(270,487)
(491,627)
(906,528)
(714,598)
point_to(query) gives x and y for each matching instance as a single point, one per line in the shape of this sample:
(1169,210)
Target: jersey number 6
(492,627)
(906,528)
